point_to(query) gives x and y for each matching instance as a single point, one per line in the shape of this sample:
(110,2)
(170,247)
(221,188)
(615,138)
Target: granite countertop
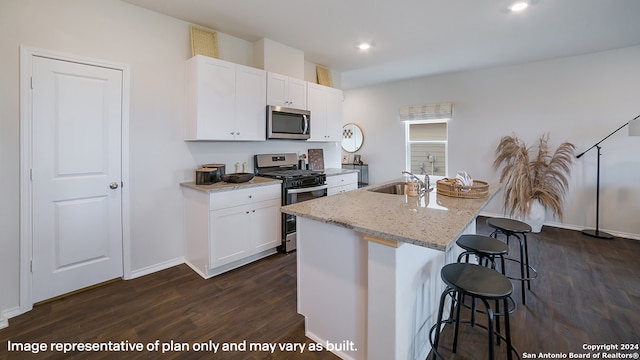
(227,186)
(432,221)
(333,172)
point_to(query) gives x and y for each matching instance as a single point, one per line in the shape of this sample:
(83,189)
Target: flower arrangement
(544,177)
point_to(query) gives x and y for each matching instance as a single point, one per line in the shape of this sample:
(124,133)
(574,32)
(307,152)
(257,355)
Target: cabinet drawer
(239,197)
(340,189)
(344,179)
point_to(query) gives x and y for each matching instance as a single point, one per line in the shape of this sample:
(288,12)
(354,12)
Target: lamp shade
(634,127)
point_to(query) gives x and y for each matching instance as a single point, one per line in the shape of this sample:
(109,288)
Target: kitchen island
(369,268)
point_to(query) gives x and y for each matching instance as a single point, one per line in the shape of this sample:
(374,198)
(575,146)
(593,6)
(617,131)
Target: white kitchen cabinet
(228,229)
(225,101)
(342,183)
(286,91)
(325,104)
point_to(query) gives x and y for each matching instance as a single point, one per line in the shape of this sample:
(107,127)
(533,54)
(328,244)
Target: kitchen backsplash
(230,153)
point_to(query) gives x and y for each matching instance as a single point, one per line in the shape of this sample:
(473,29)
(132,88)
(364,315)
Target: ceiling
(413,38)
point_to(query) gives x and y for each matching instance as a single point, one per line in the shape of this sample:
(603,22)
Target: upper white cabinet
(225,101)
(325,104)
(286,91)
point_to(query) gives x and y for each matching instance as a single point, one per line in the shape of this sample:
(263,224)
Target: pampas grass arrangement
(544,177)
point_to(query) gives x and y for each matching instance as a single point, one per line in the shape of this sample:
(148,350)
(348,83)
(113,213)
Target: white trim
(26,69)
(8,314)
(570,226)
(323,342)
(157,267)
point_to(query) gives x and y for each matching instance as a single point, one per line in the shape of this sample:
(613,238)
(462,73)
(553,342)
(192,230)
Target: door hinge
(31,82)
(31,175)
(31,266)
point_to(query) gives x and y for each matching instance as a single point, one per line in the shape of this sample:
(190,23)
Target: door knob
(113,185)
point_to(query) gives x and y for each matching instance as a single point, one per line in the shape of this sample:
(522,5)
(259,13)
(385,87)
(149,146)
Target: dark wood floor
(588,292)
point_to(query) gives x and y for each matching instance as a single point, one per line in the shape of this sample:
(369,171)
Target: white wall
(156,47)
(579,99)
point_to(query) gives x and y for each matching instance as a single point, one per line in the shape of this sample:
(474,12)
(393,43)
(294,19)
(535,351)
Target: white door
(76,176)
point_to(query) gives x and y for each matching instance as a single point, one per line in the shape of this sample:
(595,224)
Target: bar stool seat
(478,282)
(484,247)
(519,230)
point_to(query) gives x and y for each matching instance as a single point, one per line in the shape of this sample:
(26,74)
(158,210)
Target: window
(427,147)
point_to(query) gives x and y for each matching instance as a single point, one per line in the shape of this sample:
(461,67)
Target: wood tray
(449,187)
(237,177)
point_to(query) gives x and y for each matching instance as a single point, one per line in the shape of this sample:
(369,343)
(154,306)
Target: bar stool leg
(522,266)
(508,329)
(457,324)
(490,319)
(443,298)
(498,320)
(526,254)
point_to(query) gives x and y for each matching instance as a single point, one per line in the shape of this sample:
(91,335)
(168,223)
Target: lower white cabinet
(341,183)
(225,230)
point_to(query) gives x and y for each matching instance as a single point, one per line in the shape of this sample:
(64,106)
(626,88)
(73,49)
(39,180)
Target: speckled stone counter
(431,221)
(334,172)
(368,267)
(227,186)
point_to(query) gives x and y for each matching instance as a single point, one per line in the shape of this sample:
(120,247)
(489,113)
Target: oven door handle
(307,189)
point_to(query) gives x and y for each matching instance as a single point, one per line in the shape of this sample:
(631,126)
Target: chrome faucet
(425,187)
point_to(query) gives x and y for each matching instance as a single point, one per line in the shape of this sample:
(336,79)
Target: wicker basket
(450,187)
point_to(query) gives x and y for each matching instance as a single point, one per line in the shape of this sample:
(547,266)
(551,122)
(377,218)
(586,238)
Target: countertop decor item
(237,177)
(453,187)
(634,130)
(316,159)
(542,176)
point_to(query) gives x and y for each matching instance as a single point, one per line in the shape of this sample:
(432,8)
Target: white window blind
(426,112)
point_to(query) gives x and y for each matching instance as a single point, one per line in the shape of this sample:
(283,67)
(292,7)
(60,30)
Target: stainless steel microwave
(288,123)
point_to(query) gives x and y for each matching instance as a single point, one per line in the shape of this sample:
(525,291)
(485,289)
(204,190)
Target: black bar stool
(518,229)
(486,248)
(481,283)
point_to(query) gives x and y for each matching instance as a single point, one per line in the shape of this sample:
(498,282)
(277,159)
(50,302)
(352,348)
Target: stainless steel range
(298,185)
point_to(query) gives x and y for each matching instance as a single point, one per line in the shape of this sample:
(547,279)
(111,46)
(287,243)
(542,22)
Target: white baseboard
(8,314)
(572,227)
(342,355)
(156,267)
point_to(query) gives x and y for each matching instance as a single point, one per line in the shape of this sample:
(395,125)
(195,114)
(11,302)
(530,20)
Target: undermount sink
(395,189)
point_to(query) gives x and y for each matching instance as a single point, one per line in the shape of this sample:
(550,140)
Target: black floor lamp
(634,130)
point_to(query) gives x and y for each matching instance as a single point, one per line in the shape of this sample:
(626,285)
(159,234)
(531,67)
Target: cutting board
(316,159)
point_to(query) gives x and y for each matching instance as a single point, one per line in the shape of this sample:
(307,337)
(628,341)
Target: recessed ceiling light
(519,6)
(364,46)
